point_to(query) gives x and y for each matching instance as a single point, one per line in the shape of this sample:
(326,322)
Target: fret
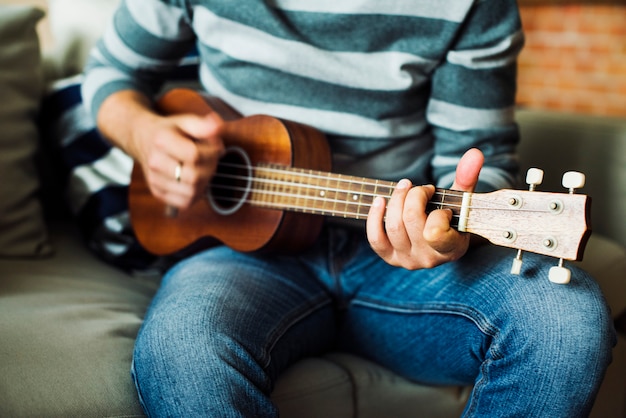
(322,194)
(371,191)
(271,188)
(295,188)
(442,199)
(281,198)
(298,197)
(329,194)
(375,192)
(353,198)
(360,203)
(345,197)
(277,184)
(258,187)
(332,192)
(315,192)
(311,194)
(303,188)
(390,188)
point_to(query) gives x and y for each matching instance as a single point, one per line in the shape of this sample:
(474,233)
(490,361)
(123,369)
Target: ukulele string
(306,208)
(308,175)
(295,197)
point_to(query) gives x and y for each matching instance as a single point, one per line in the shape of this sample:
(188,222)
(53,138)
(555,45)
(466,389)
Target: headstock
(553,224)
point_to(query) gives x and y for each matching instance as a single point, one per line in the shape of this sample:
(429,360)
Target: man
(418,90)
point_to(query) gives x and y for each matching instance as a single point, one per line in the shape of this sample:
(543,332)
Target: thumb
(467,170)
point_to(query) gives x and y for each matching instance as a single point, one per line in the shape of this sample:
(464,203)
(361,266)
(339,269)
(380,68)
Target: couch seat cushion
(68,325)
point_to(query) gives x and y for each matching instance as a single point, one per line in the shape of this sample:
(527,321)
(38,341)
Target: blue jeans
(224,325)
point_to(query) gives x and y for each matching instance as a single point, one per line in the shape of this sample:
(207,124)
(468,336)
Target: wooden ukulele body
(264,139)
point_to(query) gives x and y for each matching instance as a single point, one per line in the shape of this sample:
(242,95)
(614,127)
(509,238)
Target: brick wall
(575,56)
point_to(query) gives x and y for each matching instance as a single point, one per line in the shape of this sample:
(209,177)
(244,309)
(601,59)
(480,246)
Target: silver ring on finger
(178,171)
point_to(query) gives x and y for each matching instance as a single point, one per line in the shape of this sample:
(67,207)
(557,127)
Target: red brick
(575,56)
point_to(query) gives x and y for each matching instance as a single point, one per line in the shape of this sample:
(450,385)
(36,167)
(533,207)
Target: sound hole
(231,184)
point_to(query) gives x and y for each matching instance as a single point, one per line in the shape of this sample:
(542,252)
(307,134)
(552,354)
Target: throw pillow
(22,227)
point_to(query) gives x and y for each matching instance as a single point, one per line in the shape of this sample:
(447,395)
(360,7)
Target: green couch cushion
(22,228)
(67,326)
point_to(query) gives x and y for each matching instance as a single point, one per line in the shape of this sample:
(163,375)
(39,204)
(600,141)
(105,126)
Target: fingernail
(403,184)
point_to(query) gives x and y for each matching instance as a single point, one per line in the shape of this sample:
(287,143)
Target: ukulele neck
(336,195)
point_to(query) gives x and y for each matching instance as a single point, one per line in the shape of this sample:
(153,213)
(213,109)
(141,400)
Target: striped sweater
(401,87)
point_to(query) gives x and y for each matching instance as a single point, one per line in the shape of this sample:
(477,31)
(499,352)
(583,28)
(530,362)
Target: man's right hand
(178,153)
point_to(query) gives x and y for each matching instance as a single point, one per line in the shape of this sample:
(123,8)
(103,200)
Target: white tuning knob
(559,275)
(534,177)
(516,267)
(573,180)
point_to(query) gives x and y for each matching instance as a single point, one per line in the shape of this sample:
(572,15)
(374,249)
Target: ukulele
(274,181)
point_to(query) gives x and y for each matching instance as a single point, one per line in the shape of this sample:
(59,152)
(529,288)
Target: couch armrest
(606,261)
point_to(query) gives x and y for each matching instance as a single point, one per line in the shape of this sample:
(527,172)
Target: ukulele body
(241,226)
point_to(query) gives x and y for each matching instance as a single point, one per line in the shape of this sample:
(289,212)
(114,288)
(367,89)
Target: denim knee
(186,346)
(173,361)
(565,332)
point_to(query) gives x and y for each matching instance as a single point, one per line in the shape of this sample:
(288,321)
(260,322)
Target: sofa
(69,314)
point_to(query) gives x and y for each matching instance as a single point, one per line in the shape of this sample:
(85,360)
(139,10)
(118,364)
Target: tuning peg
(559,274)
(534,177)
(516,268)
(573,180)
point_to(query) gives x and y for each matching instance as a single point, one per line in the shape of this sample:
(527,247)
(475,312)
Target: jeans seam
(470,407)
(287,324)
(473,315)
(133,374)
(477,318)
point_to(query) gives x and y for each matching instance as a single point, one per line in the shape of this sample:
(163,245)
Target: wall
(575,56)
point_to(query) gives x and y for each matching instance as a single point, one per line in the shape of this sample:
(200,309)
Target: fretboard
(322,193)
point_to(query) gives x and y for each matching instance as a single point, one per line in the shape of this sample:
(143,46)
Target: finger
(394,220)
(414,214)
(179,159)
(375,228)
(442,238)
(467,170)
(438,232)
(179,196)
(165,171)
(172,147)
(176,183)
(197,169)
(188,135)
